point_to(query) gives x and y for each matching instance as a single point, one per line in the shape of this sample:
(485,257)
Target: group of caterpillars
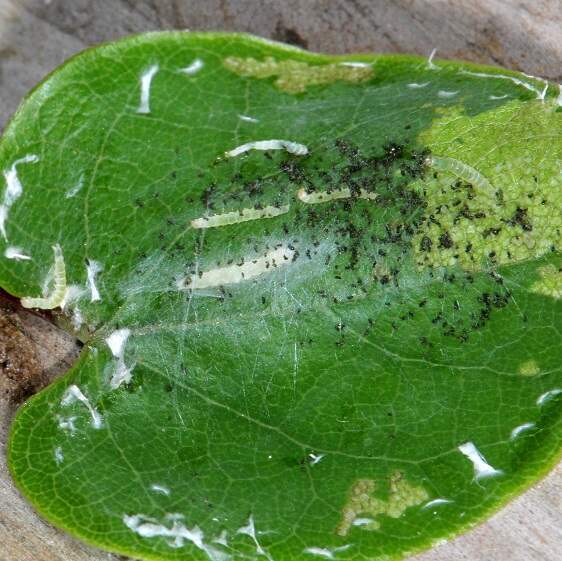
(57,296)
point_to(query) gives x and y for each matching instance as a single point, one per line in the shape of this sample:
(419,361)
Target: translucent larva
(56,298)
(463,171)
(244,215)
(317,197)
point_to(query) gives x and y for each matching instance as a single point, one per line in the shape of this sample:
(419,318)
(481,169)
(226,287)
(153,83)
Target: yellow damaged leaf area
(550,283)
(529,368)
(493,188)
(361,504)
(295,76)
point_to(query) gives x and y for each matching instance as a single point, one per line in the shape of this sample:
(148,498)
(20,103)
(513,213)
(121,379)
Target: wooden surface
(37,35)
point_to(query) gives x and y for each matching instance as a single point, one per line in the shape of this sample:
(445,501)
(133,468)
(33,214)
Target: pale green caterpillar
(463,171)
(235,217)
(57,296)
(317,197)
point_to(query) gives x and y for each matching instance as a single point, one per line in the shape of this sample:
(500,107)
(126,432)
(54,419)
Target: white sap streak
(59,456)
(547,396)
(362,521)
(92,269)
(248,119)
(16,253)
(446,94)
(66,423)
(314,459)
(416,86)
(147,527)
(482,468)
(77,319)
(291,147)
(521,428)
(353,64)
(222,539)
(430,63)
(47,281)
(234,274)
(250,530)
(74,190)
(324,551)
(320,552)
(540,94)
(14,189)
(160,489)
(436,502)
(145,81)
(545,82)
(499,96)
(243,215)
(116,343)
(174,516)
(122,374)
(72,394)
(73,293)
(193,68)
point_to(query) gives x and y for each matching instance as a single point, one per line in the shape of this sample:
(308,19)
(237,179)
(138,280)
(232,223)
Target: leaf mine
(402,495)
(529,368)
(296,76)
(550,283)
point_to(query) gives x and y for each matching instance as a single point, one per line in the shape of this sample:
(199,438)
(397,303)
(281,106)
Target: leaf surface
(320,296)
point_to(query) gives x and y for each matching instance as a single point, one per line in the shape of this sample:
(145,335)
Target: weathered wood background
(37,35)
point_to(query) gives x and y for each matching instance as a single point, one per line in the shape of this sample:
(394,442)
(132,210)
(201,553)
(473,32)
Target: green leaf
(320,296)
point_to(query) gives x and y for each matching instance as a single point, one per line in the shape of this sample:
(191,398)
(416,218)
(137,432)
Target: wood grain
(38,35)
